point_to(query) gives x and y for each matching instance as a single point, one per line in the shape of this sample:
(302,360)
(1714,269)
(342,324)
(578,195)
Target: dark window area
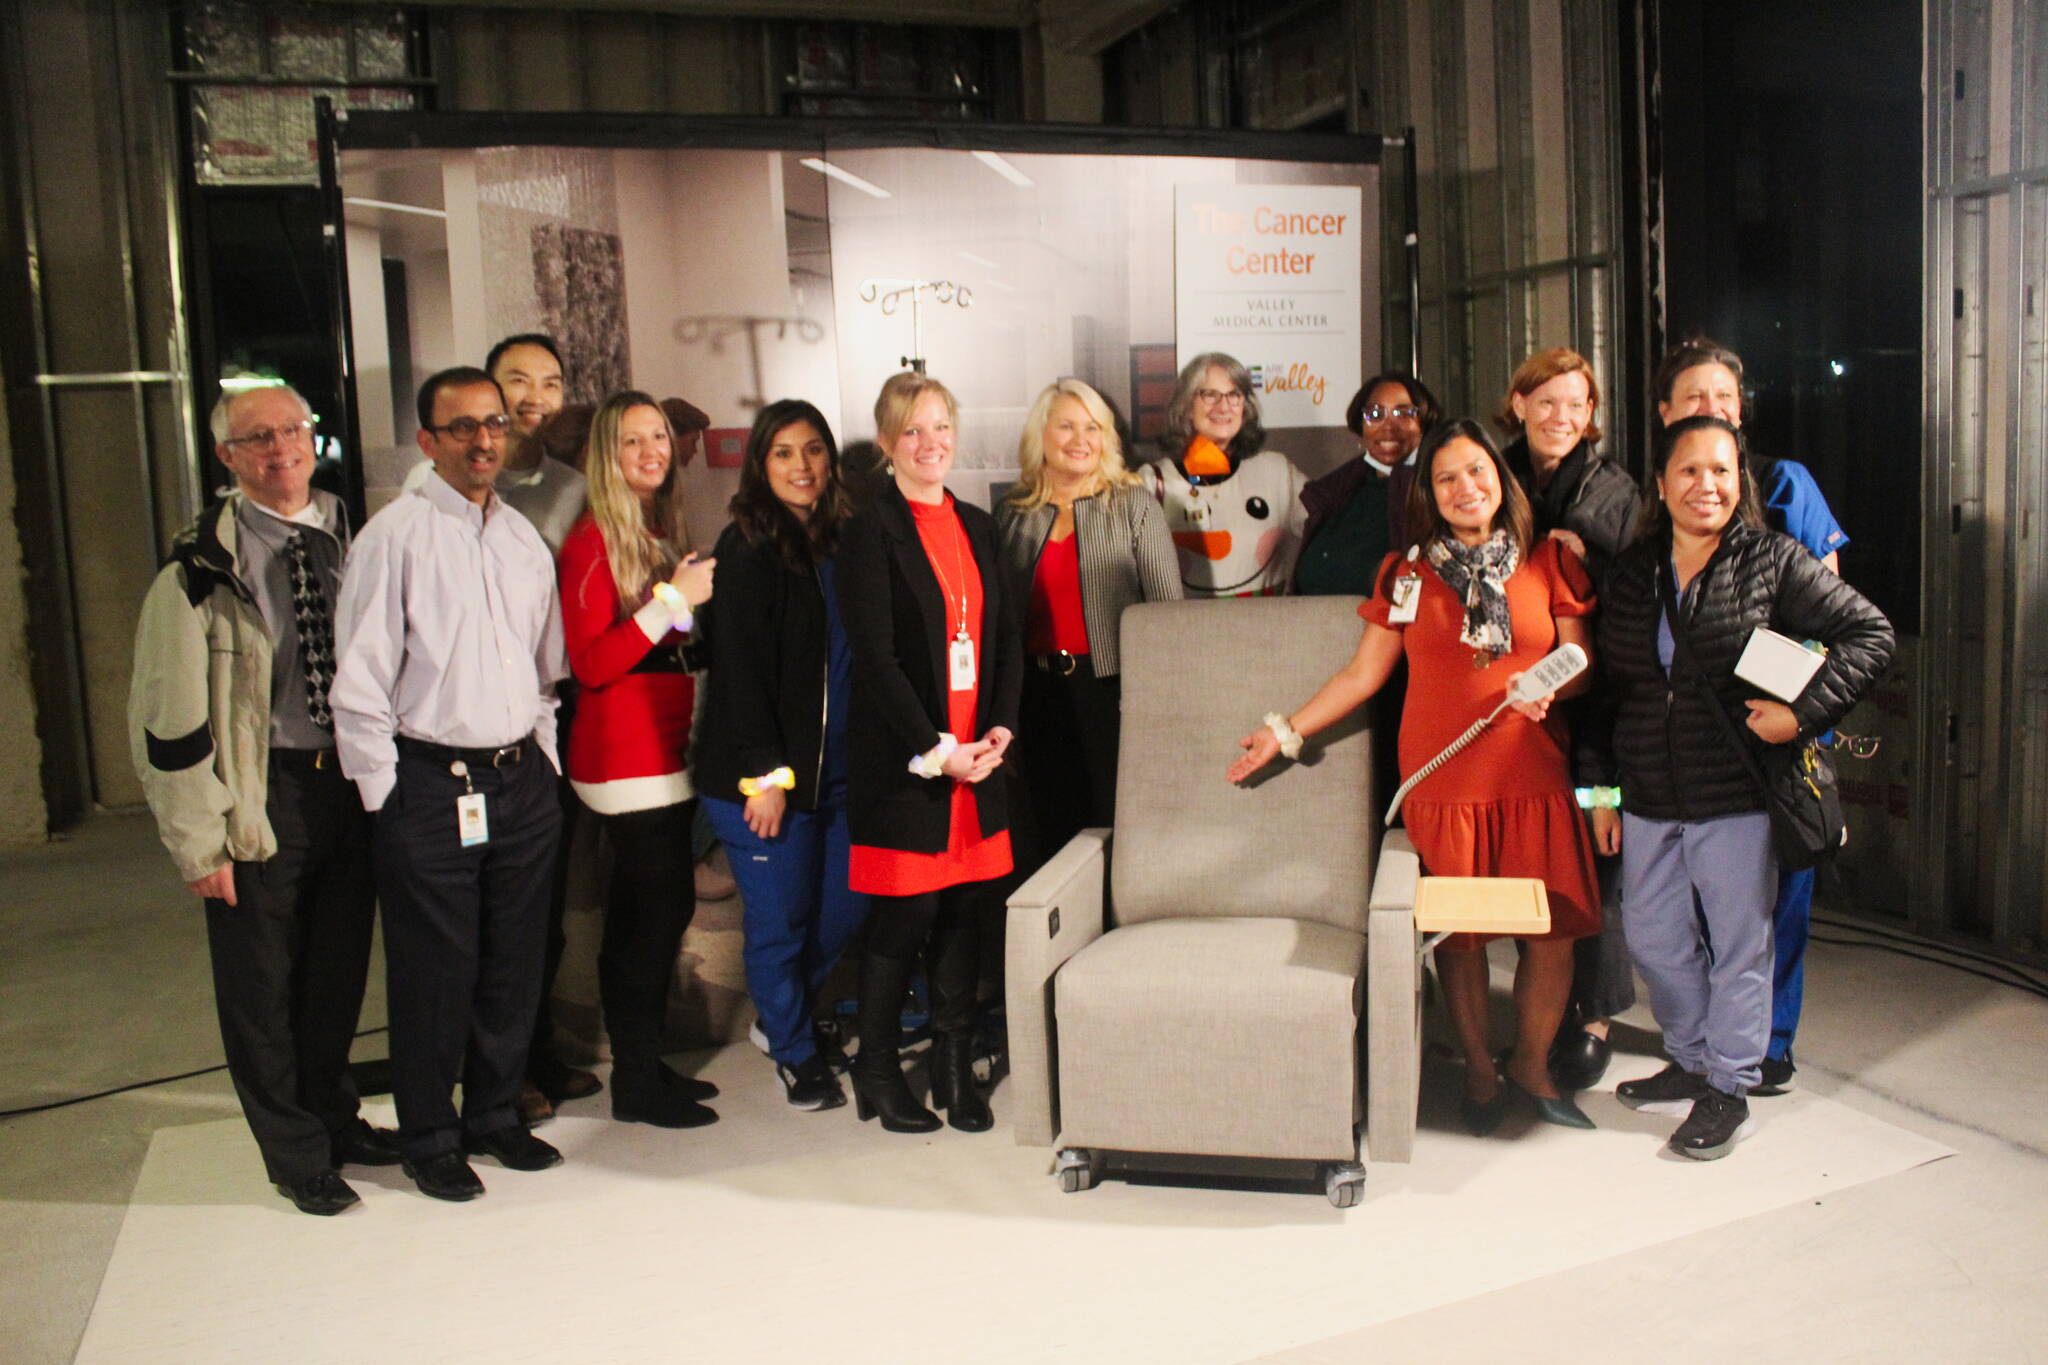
(899,71)
(266,305)
(1791,152)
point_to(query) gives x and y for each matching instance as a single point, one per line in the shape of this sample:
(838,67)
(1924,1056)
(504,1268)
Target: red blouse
(967,856)
(1056,624)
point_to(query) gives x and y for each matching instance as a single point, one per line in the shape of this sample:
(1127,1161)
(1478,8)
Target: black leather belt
(1059,662)
(319,760)
(503,757)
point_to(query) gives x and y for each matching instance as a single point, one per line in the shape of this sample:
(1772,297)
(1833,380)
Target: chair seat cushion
(1226,1036)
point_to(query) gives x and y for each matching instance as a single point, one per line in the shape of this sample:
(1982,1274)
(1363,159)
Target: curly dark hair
(1428,414)
(763,518)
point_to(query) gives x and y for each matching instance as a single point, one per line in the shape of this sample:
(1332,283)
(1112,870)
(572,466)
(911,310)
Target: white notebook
(1778,664)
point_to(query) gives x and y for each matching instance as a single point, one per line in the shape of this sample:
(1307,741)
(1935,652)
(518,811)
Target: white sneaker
(757,1037)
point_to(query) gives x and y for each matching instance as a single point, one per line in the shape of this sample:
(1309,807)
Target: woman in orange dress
(1471,604)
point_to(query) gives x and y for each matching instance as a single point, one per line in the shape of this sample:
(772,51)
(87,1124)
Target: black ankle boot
(640,1094)
(877,1074)
(953,1087)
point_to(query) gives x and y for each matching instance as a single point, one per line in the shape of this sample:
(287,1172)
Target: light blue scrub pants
(1696,901)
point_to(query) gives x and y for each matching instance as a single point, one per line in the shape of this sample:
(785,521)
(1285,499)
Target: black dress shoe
(445,1175)
(322,1195)
(515,1149)
(1483,1116)
(689,1087)
(1579,1059)
(1551,1109)
(361,1145)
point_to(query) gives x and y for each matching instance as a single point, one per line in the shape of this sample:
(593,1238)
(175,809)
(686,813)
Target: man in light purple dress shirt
(450,644)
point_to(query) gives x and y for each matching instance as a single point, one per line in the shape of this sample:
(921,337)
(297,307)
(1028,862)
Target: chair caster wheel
(1344,1184)
(1078,1169)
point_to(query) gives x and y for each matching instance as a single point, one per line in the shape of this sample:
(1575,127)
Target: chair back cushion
(1298,841)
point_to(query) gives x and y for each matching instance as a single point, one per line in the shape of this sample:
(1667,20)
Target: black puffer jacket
(1673,758)
(1590,496)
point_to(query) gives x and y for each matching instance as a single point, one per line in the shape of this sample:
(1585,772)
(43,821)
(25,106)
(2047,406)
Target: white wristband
(933,763)
(680,615)
(1289,737)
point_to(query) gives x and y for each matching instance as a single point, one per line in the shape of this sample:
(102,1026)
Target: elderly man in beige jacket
(234,742)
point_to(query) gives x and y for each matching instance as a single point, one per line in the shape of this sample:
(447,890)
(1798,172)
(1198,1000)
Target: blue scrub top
(1794,504)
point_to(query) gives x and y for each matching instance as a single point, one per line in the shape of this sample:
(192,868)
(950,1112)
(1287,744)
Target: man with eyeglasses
(232,736)
(550,494)
(444,703)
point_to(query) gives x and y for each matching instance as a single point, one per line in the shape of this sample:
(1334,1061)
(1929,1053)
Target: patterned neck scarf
(1479,574)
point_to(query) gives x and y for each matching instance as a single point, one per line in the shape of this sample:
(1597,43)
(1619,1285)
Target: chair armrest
(1393,1028)
(1054,915)
(1393,880)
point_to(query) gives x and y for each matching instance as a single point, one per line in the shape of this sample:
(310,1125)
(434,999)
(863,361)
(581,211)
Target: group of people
(324,724)
(1496,557)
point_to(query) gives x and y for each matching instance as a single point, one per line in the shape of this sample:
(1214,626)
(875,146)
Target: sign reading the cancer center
(1270,274)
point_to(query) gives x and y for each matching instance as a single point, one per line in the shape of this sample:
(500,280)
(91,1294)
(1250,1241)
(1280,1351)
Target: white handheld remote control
(1549,673)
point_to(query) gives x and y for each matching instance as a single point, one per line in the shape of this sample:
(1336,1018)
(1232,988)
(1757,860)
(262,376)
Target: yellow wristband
(782,777)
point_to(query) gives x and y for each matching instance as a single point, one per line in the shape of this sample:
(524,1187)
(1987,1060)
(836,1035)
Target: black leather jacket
(1674,760)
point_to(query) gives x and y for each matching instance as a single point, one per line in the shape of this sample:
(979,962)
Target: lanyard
(959,568)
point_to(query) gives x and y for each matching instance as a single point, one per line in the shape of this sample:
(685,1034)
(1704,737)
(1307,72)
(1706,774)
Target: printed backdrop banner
(1270,274)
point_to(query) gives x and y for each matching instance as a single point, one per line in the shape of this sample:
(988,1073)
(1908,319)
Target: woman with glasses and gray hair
(1080,542)
(1233,507)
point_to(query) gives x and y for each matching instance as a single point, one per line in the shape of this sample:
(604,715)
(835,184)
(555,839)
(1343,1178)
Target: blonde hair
(900,395)
(1033,483)
(642,543)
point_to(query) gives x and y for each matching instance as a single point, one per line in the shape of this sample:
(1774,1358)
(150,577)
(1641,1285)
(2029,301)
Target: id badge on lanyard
(960,662)
(1407,600)
(1407,593)
(472,820)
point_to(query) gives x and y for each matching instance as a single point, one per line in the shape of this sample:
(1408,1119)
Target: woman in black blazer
(771,751)
(936,670)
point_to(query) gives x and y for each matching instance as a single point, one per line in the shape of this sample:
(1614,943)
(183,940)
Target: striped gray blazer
(1126,557)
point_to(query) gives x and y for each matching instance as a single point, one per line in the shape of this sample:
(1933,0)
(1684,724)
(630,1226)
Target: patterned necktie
(316,628)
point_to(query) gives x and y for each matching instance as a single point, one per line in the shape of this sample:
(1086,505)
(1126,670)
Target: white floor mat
(778,1235)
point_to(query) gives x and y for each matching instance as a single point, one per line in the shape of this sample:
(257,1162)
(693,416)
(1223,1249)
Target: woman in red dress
(629,590)
(1471,605)
(937,665)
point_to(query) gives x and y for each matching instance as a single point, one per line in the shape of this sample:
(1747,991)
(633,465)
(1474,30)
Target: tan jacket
(199,705)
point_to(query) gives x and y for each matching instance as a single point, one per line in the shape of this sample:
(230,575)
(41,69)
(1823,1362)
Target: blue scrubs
(799,913)
(1793,504)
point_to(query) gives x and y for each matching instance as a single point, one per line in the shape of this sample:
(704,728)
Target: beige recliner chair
(1192,981)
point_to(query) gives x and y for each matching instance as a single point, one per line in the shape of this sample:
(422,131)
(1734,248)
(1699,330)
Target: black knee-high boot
(877,1074)
(955,974)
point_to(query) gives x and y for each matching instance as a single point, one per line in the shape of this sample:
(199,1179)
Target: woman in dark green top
(1354,511)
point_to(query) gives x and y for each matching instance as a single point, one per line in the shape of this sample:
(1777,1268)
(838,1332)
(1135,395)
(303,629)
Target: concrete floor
(105,982)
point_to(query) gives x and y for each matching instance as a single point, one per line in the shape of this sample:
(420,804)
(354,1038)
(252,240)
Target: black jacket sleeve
(746,663)
(1814,603)
(867,600)
(1006,650)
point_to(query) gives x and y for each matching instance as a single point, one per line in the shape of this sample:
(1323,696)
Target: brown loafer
(534,1108)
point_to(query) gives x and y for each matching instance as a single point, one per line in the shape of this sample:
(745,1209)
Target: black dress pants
(1069,726)
(653,898)
(465,933)
(544,1067)
(289,961)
